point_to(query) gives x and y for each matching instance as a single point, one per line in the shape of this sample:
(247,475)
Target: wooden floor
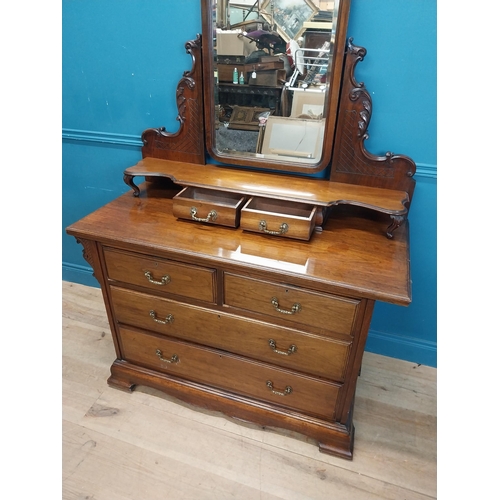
(146,445)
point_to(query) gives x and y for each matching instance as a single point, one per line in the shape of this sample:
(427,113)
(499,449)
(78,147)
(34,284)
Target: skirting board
(414,350)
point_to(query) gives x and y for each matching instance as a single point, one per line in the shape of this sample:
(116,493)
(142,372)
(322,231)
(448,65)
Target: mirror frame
(332,99)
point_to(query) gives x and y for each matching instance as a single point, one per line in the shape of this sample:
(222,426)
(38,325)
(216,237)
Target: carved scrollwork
(193,48)
(359,93)
(181,99)
(358,54)
(86,251)
(88,254)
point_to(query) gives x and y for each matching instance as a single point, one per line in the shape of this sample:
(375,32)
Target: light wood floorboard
(147,445)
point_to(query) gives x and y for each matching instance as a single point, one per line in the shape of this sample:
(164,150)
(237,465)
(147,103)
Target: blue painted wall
(122,60)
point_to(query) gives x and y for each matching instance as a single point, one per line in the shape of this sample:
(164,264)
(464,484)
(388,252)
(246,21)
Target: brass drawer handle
(263,227)
(168,319)
(174,359)
(165,280)
(295,308)
(288,389)
(291,349)
(212,215)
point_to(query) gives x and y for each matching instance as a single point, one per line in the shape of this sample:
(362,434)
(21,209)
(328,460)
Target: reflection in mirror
(272,71)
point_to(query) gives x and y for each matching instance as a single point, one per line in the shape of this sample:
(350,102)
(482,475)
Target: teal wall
(121,64)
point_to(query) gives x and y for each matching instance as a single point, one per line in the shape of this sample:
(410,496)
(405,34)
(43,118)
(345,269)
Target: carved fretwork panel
(187,143)
(352,163)
(87,251)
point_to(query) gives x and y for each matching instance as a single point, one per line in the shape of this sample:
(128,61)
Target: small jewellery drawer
(229,372)
(262,341)
(207,205)
(161,275)
(279,218)
(327,312)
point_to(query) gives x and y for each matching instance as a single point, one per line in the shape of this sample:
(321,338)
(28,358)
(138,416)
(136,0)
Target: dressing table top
(350,256)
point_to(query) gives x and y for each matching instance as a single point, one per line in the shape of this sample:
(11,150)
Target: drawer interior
(221,198)
(280,207)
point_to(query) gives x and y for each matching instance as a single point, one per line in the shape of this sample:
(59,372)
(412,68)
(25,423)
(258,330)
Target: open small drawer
(279,218)
(207,205)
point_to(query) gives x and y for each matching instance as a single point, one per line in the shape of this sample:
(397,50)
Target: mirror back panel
(272,76)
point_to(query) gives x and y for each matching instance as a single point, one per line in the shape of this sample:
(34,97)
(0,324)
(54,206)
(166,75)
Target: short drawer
(208,205)
(161,275)
(229,372)
(298,306)
(279,218)
(262,341)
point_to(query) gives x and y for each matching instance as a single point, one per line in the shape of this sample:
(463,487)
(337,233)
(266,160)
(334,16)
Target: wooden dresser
(264,329)
(243,312)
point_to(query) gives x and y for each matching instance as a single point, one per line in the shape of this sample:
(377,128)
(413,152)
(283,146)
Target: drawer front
(209,206)
(279,218)
(161,275)
(327,312)
(280,346)
(230,372)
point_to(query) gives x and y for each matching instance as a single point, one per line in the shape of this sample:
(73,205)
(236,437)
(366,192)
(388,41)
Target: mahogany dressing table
(257,323)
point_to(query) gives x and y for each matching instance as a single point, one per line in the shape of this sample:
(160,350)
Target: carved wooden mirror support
(352,163)
(187,144)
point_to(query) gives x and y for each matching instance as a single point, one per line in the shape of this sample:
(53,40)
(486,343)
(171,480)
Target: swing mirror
(272,73)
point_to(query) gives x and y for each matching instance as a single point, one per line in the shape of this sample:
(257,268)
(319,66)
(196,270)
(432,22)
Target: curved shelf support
(129,181)
(397,220)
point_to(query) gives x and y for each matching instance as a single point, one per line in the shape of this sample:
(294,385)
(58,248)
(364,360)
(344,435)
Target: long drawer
(229,372)
(284,347)
(161,275)
(326,312)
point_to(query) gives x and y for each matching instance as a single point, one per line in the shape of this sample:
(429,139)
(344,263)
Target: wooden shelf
(322,193)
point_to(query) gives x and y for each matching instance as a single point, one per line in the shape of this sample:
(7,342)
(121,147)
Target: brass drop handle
(291,349)
(168,319)
(212,215)
(263,227)
(174,359)
(165,280)
(295,308)
(288,389)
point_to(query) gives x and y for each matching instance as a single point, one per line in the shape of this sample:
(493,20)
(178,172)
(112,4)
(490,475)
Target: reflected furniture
(264,323)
